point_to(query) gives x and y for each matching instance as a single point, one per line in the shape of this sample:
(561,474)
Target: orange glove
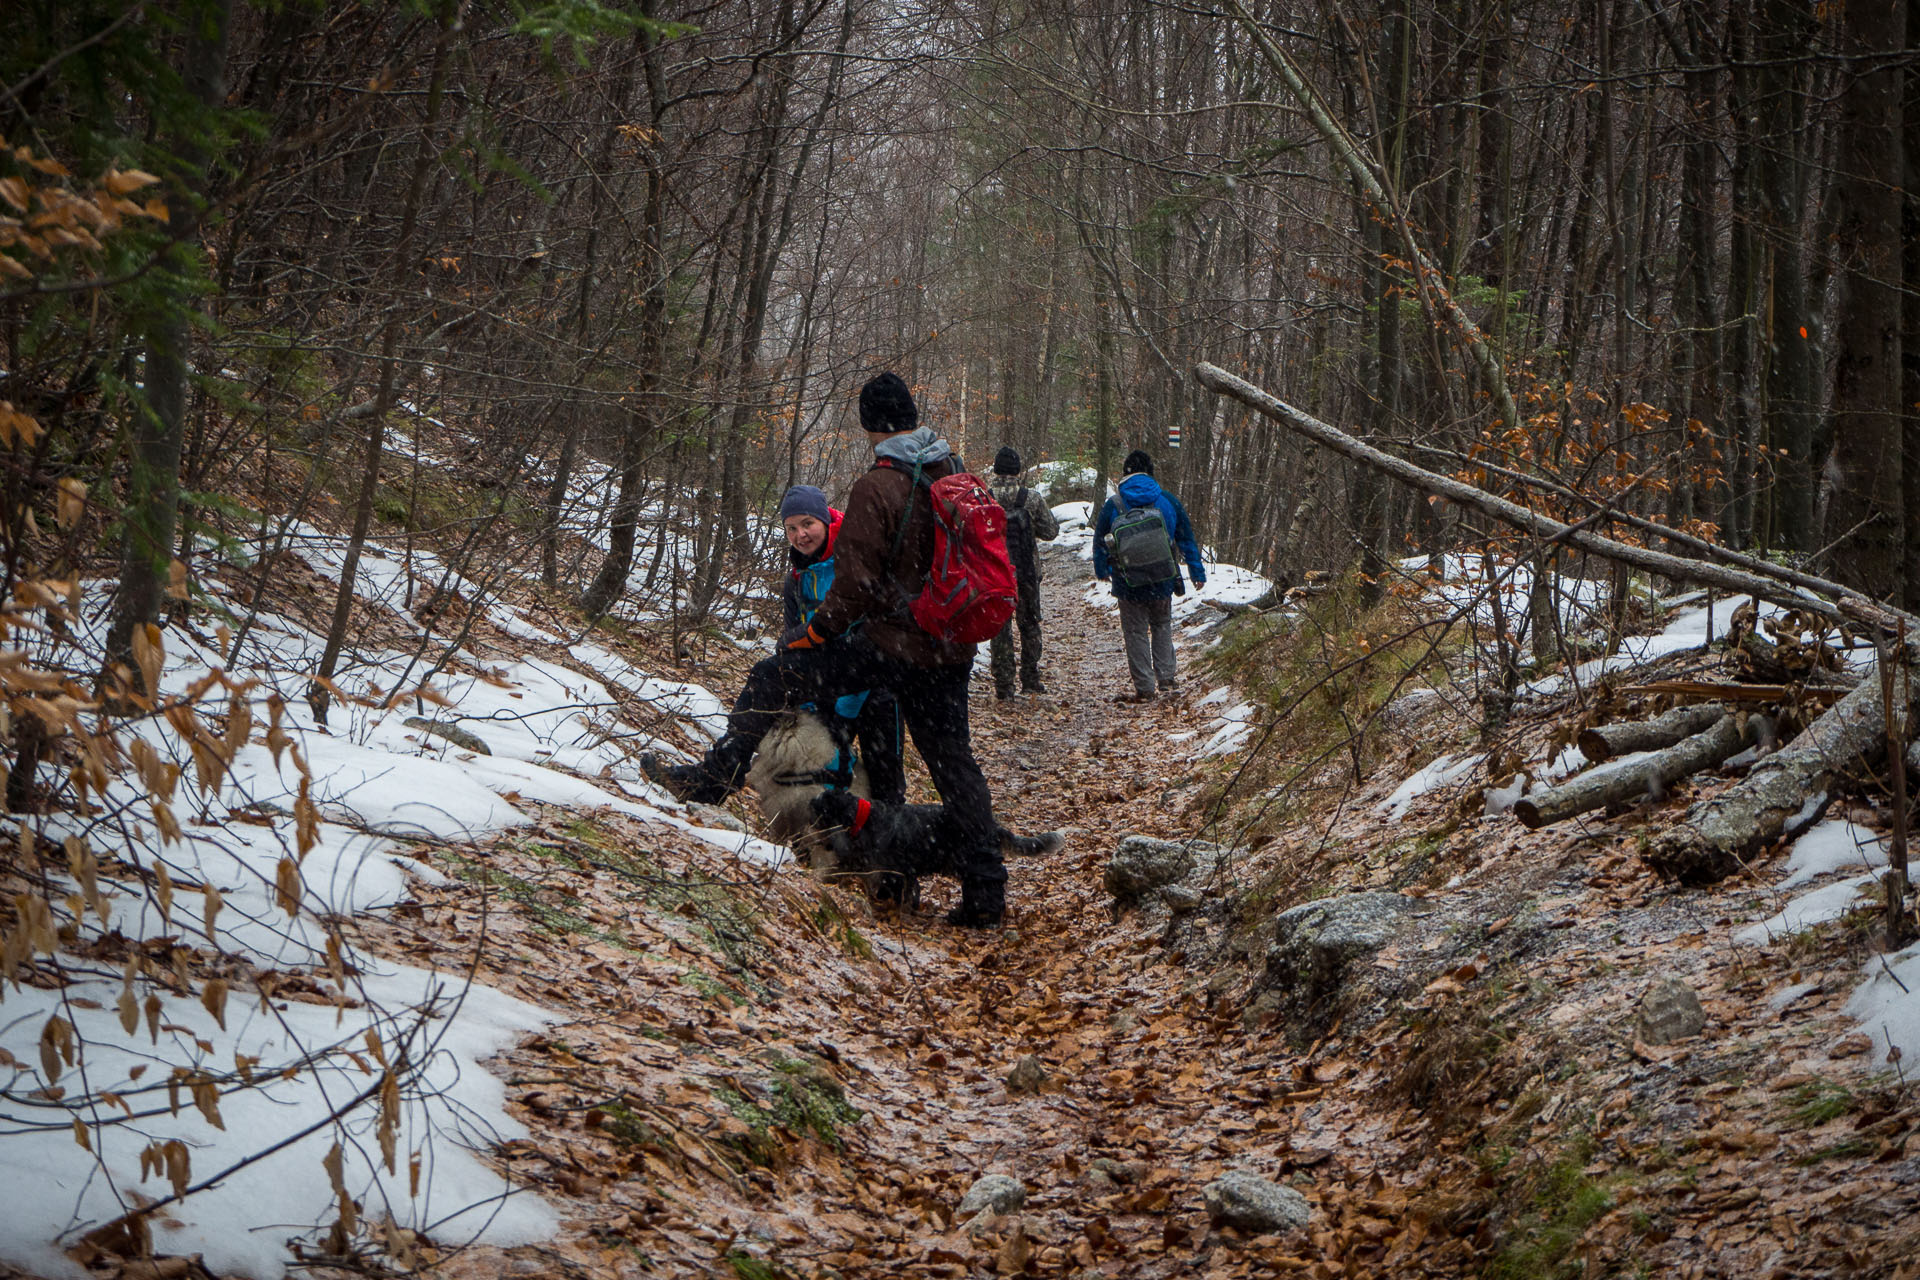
(802,638)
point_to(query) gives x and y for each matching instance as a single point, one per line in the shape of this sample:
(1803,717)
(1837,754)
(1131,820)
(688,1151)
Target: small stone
(1254,1204)
(1261,1012)
(712,816)
(1182,897)
(1142,864)
(995,1192)
(1669,1012)
(1027,1076)
(1118,1171)
(451,732)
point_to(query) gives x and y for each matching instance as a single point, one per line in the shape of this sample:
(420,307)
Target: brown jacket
(873,586)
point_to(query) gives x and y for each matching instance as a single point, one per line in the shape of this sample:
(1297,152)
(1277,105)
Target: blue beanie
(805,500)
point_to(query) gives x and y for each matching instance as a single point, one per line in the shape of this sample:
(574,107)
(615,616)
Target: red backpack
(969,592)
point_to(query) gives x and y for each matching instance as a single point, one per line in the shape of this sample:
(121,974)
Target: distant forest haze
(1648,257)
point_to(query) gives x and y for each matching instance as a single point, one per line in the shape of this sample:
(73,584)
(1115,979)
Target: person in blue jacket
(812,526)
(1145,578)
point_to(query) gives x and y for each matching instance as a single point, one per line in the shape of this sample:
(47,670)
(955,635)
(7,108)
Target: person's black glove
(802,637)
(1179,586)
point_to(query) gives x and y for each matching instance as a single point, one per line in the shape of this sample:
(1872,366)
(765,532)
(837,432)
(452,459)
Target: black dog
(891,845)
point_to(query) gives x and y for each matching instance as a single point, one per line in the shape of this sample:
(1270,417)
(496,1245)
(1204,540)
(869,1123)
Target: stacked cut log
(1681,742)
(1720,833)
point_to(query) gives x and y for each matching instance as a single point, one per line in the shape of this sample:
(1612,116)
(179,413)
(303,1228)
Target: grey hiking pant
(1147,627)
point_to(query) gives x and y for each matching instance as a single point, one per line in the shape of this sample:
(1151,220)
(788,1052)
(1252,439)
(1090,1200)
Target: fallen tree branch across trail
(1580,537)
(1725,737)
(1604,742)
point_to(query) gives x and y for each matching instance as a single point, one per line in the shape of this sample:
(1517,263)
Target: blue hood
(1139,489)
(918,446)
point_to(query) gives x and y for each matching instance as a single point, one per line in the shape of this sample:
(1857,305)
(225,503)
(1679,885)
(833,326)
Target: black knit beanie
(1138,463)
(887,405)
(1006,462)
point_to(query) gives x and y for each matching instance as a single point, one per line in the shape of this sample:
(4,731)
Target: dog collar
(862,810)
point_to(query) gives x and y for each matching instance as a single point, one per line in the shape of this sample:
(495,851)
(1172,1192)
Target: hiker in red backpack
(916,550)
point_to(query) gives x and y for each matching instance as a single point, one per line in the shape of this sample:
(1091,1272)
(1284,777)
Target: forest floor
(753,1075)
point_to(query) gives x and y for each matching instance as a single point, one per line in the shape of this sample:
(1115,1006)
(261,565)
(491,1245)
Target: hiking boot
(1034,687)
(1135,696)
(983,900)
(689,783)
(1168,686)
(966,917)
(1003,695)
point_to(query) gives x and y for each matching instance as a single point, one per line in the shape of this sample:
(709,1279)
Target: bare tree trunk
(1866,530)
(153,497)
(402,268)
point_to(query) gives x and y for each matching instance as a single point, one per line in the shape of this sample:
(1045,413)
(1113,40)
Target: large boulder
(1314,942)
(1311,968)
(1254,1204)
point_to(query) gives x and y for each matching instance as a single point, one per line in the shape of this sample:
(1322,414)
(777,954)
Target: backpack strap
(906,516)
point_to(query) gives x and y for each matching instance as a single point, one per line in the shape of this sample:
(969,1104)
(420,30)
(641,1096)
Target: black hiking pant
(1026,616)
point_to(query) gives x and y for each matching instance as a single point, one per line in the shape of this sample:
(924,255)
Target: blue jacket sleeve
(1183,538)
(1100,527)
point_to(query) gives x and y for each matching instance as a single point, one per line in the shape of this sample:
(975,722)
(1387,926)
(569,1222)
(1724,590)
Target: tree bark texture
(1605,742)
(153,497)
(1649,777)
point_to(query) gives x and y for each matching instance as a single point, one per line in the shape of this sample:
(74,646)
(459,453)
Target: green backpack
(1140,547)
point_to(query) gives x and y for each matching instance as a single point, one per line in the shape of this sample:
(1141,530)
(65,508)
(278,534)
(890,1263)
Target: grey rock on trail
(1669,1011)
(1253,1204)
(995,1191)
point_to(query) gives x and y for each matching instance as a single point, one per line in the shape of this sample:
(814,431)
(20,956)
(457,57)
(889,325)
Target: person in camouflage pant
(1029,522)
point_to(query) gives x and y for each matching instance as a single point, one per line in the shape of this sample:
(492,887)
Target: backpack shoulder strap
(906,515)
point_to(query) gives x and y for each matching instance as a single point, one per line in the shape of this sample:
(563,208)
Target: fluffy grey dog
(795,763)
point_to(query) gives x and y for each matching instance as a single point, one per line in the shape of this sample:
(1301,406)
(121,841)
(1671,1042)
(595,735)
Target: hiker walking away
(1030,521)
(865,635)
(1138,543)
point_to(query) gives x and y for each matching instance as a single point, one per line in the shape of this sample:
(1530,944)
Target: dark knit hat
(1006,462)
(887,405)
(1138,463)
(805,500)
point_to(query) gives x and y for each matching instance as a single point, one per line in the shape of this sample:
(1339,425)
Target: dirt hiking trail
(756,1076)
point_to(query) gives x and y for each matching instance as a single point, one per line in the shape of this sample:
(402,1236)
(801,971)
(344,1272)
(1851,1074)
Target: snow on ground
(549,728)
(1442,771)
(1888,1004)
(1829,902)
(1230,731)
(1835,845)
